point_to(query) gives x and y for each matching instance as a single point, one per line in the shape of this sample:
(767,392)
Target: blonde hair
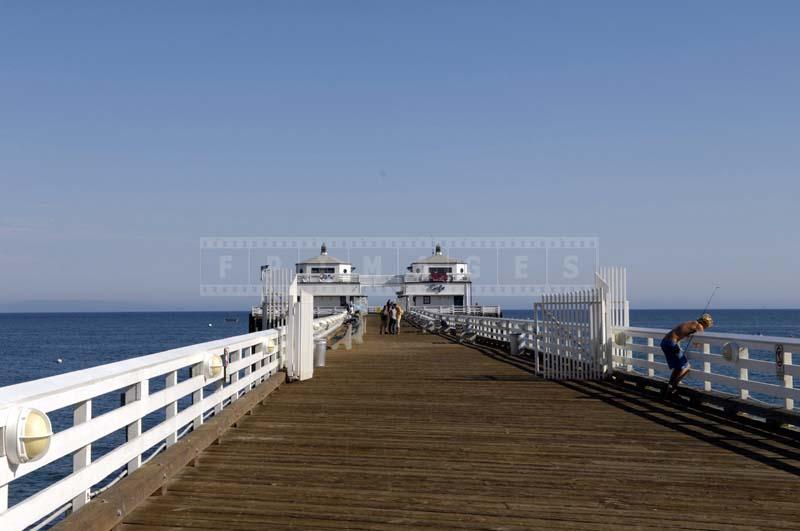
(706,320)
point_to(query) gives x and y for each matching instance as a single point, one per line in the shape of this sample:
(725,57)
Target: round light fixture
(213,366)
(27,435)
(730,351)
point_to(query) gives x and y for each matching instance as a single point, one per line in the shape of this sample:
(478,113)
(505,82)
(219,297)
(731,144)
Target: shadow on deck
(412,431)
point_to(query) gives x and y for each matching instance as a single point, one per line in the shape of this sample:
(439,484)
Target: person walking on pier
(393,319)
(385,318)
(400,312)
(676,358)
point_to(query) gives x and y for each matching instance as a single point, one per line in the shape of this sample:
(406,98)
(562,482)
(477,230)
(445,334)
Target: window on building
(426,299)
(441,270)
(323,270)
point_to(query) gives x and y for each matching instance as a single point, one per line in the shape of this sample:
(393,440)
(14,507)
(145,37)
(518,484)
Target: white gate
(613,281)
(571,332)
(573,339)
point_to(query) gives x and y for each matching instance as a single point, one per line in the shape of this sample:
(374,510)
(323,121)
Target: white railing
(325,326)
(305,278)
(186,385)
(757,368)
(433,277)
(463,310)
(469,328)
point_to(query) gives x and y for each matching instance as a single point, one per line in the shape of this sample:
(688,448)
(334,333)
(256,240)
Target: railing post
(281,348)
(706,367)
(83,457)
(628,354)
(650,358)
(135,392)
(172,407)
(348,338)
(197,396)
(788,379)
(236,355)
(248,368)
(744,393)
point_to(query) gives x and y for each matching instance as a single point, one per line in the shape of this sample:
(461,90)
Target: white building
(331,280)
(437,281)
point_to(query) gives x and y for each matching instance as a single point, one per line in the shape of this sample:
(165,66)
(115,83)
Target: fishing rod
(708,303)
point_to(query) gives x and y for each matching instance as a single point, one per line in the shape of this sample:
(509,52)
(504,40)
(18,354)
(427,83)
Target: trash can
(320,346)
(514,339)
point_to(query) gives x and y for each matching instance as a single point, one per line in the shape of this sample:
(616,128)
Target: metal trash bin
(320,346)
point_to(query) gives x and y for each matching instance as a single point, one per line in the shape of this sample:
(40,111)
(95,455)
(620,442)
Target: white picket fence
(191,379)
(489,311)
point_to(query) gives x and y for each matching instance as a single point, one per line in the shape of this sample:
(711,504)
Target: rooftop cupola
(438,249)
(323,250)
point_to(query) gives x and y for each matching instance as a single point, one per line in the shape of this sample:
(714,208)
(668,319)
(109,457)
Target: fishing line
(708,303)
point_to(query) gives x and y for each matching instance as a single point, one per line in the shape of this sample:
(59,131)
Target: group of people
(391,315)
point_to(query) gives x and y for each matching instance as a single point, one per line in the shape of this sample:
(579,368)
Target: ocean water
(31,344)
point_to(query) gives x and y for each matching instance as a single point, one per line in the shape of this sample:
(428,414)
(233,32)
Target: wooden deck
(413,431)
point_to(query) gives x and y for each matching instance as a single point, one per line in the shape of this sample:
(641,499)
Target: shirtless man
(676,359)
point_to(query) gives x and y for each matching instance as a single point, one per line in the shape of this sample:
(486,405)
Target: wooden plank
(109,508)
(415,431)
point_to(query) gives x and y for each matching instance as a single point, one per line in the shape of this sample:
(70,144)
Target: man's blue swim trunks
(672,351)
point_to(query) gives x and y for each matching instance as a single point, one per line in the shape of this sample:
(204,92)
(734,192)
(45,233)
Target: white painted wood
(80,387)
(744,391)
(83,456)
(172,407)
(706,367)
(788,379)
(138,393)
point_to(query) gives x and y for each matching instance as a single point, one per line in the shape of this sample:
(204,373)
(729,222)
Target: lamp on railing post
(27,435)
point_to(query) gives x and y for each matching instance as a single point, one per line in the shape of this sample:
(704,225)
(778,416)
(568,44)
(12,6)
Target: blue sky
(128,131)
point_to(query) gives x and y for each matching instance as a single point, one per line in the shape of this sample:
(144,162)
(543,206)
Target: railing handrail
(426,277)
(717,337)
(328,277)
(475,310)
(32,390)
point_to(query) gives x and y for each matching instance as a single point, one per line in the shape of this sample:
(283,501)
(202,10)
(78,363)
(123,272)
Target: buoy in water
(59,360)
(209,324)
